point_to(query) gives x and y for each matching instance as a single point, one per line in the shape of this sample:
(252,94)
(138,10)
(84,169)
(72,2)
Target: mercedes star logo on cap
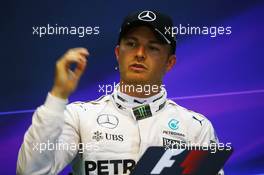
(147,16)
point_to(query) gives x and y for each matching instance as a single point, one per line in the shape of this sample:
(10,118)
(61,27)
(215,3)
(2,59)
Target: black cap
(157,21)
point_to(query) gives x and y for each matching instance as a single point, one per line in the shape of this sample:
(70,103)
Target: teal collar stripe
(141,112)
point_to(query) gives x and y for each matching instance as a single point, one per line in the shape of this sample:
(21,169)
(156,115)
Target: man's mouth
(138,67)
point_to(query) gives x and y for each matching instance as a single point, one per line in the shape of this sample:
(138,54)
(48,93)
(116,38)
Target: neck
(140,90)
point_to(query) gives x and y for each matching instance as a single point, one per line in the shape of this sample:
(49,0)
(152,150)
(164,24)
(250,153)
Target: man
(113,132)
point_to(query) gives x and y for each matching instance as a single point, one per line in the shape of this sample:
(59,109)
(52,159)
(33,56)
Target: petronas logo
(142,112)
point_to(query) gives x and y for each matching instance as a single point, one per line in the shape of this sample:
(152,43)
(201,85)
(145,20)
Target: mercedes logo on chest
(147,16)
(107,121)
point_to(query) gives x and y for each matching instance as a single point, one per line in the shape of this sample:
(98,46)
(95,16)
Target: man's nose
(140,55)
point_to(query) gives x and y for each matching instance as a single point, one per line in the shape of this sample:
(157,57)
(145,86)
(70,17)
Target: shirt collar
(140,108)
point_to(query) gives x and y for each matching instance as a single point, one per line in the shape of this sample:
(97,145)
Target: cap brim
(129,26)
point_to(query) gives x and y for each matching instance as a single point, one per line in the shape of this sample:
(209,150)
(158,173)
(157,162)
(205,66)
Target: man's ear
(171,62)
(117,52)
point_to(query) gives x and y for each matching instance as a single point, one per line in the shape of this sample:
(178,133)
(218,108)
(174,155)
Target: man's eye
(131,43)
(154,48)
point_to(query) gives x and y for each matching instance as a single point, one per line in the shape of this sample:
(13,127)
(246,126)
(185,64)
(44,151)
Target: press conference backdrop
(217,74)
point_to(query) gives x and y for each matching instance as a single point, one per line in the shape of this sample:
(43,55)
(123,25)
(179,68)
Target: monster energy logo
(142,112)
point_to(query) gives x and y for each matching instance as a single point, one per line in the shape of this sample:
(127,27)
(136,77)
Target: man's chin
(134,78)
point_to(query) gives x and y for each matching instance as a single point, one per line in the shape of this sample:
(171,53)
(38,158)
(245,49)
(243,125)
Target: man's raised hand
(66,80)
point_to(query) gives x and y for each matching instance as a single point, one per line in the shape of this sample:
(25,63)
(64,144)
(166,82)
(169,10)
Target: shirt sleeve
(208,136)
(47,142)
